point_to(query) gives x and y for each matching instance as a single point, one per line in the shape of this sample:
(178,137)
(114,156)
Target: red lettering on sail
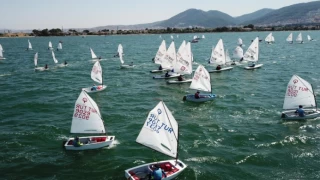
(83,112)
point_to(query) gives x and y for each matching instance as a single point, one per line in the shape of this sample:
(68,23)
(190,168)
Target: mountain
(253,16)
(195,17)
(302,13)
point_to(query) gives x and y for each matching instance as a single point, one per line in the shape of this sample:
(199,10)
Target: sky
(41,14)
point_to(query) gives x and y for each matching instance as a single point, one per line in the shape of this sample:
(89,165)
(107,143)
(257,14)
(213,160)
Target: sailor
(300,111)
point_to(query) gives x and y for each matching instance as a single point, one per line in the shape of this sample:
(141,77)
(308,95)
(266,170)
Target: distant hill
(195,17)
(302,13)
(253,16)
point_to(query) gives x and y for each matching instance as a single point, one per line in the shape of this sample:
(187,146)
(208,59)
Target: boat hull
(292,116)
(90,142)
(179,82)
(100,88)
(172,169)
(125,66)
(203,97)
(222,69)
(164,77)
(41,69)
(255,67)
(160,71)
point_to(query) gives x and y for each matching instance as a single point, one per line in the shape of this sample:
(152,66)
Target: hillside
(295,14)
(195,17)
(253,16)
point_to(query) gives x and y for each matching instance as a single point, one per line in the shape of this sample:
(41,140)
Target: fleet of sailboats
(160,132)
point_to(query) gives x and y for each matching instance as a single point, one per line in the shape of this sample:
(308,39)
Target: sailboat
(238,53)
(183,64)
(96,75)
(290,38)
(94,56)
(218,57)
(195,39)
(120,53)
(252,55)
(309,38)
(299,92)
(203,37)
(160,132)
(29,45)
(87,119)
(171,37)
(161,53)
(56,60)
(59,46)
(36,64)
(200,82)
(269,38)
(240,43)
(50,46)
(299,38)
(1,55)
(167,62)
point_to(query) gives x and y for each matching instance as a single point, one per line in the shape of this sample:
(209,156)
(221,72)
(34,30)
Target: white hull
(1,58)
(125,66)
(160,71)
(88,90)
(222,69)
(41,69)
(63,65)
(164,77)
(170,167)
(255,67)
(90,142)
(291,115)
(203,97)
(179,82)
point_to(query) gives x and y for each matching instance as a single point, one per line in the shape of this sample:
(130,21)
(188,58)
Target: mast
(315,99)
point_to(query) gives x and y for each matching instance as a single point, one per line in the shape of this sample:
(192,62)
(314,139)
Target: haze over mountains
(302,13)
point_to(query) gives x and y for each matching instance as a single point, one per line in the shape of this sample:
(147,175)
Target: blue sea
(239,135)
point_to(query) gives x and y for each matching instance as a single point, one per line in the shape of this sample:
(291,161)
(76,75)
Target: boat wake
(113,145)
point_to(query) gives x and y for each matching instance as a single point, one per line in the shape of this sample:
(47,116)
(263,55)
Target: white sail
(35,59)
(171,37)
(309,37)
(59,45)
(1,49)
(239,41)
(160,36)
(181,49)
(86,116)
(1,54)
(170,58)
(183,64)
(218,55)
(252,54)
(272,39)
(96,73)
(160,131)
(29,46)
(290,37)
(201,80)
(120,52)
(238,52)
(203,37)
(299,38)
(299,92)
(54,58)
(50,44)
(269,38)
(93,55)
(195,37)
(161,53)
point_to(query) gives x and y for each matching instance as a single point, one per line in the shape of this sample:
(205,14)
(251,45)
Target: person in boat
(301,42)
(180,78)
(131,64)
(76,142)
(65,63)
(94,87)
(160,67)
(252,65)
(218,67)
(300,111)
(152,59)
(241,59)
(197,95)
(100,58)
(233,63)
(158,172)
(167,74)
(46,66)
